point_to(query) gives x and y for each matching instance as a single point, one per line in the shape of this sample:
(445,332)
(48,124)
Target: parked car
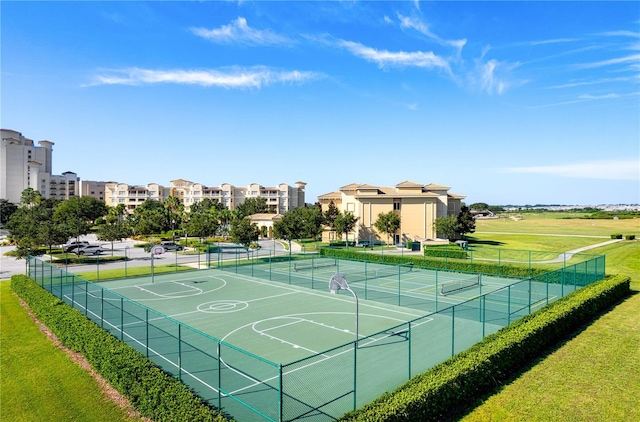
(171,246)
(88,250)
(69,247)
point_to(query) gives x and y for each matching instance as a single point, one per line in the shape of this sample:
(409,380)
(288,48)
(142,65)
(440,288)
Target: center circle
(223,306)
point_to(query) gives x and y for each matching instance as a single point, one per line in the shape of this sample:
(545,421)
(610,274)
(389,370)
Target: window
(396,205)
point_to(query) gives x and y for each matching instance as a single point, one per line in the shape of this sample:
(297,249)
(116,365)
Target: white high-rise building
(23,165)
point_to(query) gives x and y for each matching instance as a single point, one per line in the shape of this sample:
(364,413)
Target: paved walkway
(569,254)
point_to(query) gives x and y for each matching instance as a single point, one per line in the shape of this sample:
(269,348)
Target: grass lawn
(38,381)
(594,376)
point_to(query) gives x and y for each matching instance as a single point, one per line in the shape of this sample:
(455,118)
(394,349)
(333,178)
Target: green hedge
(432,263)
(446,251)
(154,393)
(446,390)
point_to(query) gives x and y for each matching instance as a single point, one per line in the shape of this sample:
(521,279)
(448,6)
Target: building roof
(265,217)
(402,189)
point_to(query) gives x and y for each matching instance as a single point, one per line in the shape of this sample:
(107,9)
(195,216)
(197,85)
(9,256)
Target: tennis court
(267,340)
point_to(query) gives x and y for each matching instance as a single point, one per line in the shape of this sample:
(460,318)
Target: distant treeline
(608,215)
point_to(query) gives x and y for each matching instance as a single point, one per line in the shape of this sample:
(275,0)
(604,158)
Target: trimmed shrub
(630,237)
(447,389)
(616,236)
(432,263)
(446,251)
(154,393)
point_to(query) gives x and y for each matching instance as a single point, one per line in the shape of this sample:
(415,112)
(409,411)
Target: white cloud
(239,32)
(634,59)
(423,28)
(234,78)
(607,170)
(386,58)
(492,76)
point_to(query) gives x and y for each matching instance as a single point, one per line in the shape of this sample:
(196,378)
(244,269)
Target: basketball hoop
(339,282)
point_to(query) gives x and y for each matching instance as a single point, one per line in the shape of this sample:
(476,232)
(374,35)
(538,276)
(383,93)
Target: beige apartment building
(417,205)
(132,195)
(280,198)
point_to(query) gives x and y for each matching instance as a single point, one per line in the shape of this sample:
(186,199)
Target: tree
(330,215)
(453,226)
(387,223)
(175,212)
(299,223)
(112,231)
(50,233)
(446,226)
(479,206)
(345,223)
(243,231)
(465,222)
(224,217)
(313,221)
(6,210)
(150,217)
(79,214)
(31,226)
(252,206)
(201,224)
(30,197)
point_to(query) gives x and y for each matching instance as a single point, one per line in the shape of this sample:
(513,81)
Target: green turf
(38,381)
(595,376)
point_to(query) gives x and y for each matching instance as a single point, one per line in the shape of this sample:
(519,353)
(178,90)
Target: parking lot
(136,256)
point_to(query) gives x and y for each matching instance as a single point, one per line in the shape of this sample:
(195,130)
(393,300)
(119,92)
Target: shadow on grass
(473,241)
(464,411)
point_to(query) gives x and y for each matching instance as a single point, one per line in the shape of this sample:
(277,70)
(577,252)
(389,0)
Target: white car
(88,250)
(69,247)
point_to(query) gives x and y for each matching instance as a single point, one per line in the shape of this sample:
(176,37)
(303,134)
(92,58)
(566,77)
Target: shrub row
(446,390)
(433,263)
(153,392)
(446,251)
(627,236)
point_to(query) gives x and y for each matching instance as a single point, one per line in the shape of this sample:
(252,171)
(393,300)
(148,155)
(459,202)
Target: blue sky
(505,102)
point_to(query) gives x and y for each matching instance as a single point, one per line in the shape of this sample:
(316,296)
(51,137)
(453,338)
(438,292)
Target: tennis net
(314,263)
(378,273)
(456,286)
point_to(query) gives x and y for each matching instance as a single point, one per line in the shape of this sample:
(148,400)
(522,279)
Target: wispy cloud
(634,59)
(384,58)
(551,41)
(621,34)
(239,32)
(418,25)
(492,76)
(634,78)
(607,170)
(233,78)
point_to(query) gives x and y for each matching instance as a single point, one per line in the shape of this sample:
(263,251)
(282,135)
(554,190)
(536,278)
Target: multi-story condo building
(132,195)
(92,188)
(63,187)
(417,205)
(280,198)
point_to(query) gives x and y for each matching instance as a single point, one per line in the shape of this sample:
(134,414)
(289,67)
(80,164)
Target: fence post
(121,318)
(280,395)
(453,330)
(180,351)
